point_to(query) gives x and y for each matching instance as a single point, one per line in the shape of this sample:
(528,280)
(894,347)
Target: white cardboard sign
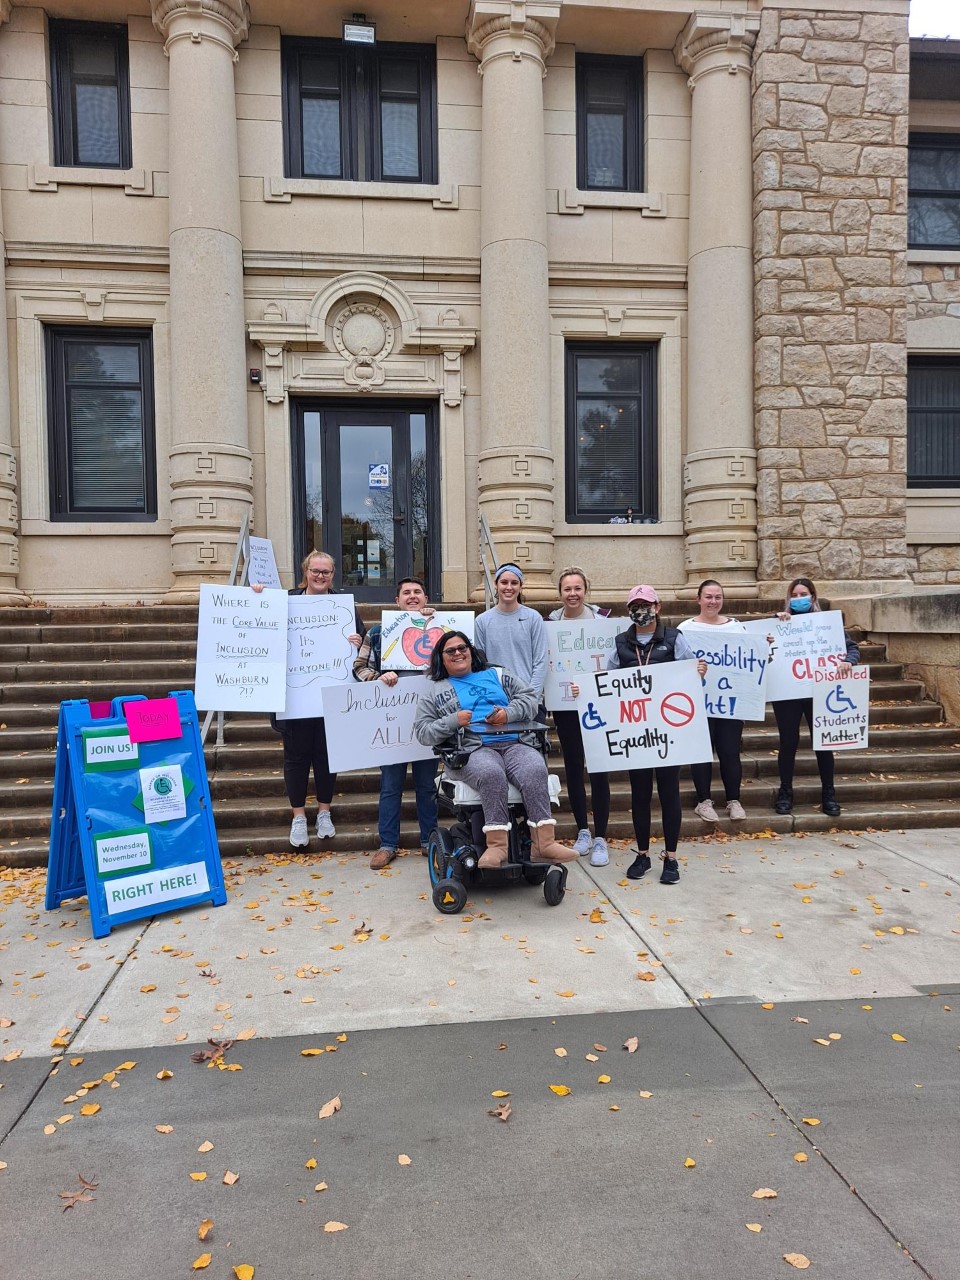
(576,649)
(262,567)
(735,685)
(318,651)
(644,717)
(803,645)
(841,710)
(370,723)
(407,639)
(241,649)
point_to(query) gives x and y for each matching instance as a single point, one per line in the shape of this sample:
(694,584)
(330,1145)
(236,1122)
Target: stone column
(9,516)
(512,40)
(830,120)
(211,471)
(720,502)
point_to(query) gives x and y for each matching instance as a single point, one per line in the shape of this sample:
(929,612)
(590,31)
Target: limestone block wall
(830,99)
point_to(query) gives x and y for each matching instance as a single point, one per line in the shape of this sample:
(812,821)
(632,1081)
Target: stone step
(46,653)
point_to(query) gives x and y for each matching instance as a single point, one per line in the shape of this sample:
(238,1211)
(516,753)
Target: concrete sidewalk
(859,932)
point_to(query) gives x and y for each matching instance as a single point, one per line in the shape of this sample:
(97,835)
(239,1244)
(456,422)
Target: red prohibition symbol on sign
(677,709)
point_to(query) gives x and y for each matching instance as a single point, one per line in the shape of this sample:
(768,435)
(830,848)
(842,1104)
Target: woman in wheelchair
(484,701)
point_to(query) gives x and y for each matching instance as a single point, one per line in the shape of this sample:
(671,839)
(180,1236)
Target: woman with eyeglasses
(305,741)
(467,693)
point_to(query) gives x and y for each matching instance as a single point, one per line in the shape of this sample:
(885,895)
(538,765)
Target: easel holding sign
(132,824)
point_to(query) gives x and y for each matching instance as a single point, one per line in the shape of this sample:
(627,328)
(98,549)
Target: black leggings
(571,744)
(725,738)
(788,715)
(641,792)
(305,748)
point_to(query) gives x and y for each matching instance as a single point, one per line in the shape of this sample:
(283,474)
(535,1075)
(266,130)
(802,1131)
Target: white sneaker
(706,811)
(599,857)
(736,810)
(299,835)
(325,827)
(583,843)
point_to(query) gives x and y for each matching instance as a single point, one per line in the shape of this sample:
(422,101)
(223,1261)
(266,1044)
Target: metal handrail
(488,561)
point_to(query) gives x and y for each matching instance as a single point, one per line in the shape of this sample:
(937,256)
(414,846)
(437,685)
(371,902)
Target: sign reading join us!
(241,647)
(841,710)
(644,718)
(576,649)
(371,723)
(735,685)
(802,646)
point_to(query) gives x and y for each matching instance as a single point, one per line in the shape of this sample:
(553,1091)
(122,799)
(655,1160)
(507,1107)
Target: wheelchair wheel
(554,886)
(439,849)
(534,875)
(450,896)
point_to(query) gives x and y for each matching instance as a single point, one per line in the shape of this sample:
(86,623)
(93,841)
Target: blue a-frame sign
(132,824)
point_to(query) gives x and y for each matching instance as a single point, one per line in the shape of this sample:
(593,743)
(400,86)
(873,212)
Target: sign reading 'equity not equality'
(644,717)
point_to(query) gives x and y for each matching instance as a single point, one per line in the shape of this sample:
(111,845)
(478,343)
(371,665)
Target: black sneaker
(671,871)
(638,867)
(830,806)
(784,801)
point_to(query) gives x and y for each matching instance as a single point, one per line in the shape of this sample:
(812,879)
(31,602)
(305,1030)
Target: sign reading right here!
(643,717)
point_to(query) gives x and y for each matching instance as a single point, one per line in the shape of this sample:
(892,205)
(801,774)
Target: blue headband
(508,568)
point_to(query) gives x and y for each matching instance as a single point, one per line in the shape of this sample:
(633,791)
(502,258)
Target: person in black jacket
(648,641)
(801,599)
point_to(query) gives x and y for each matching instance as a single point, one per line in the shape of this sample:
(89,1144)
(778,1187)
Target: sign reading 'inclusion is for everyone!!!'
(644,717)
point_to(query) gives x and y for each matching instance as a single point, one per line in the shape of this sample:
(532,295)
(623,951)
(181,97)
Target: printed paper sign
(407,639)
(108,749)
(154,720)
(379,475)
(318,651)
(164,798)
(803,645)
(262,567)
(371,723)
(644,717)
(119,851)
(128,892)
(576,649)
(841,710)
(241,649)
(735,685)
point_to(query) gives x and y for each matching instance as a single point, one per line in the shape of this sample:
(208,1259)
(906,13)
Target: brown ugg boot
(496,852)
(543,847)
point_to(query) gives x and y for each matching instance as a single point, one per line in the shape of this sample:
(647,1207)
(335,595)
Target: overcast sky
(935,18)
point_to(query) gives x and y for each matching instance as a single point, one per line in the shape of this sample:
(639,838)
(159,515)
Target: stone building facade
(635,281)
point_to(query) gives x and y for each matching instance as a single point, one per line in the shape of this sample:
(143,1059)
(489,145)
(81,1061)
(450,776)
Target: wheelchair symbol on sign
(838,701)
(591,718)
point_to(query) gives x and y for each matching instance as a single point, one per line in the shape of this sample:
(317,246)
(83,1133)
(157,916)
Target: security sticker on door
(379,475)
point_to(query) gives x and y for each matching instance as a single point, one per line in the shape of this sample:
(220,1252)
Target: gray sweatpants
(487,771)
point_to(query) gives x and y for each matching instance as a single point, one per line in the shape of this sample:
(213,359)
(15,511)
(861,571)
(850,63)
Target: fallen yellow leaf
(896,928)
(614,1108)
(90,1108)
(689,1164)
(321,1186)
(198,1177)
(768,1006)
(834,1035)
(311,1053)
(753,1226)
(566,994)
(798,1260)
(246,1034)
(591,1057)
(151,986)
(342,1039)
(561,1053)
(204,1147)
(335,1226)
(49,1128)
(404,1160)
(202,1262)
(647,976)
(561,1090)
(330,1108)
(764,1193)
(855,972)
(244,1271)
(899,1039)
(500,1093)
(801,1157)
(163,1075)
(229,1177)
(811,1121)
(204,1229)
(645,1093)
(631,1044)
(164,1128)
(603,1079)
(310,1164)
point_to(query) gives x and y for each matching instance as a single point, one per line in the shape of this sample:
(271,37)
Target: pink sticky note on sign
(153,720)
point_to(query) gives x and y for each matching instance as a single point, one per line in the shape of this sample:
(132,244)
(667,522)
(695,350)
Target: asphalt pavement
(783,1022)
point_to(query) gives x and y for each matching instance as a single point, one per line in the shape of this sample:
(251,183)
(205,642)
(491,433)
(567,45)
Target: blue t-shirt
(480,693)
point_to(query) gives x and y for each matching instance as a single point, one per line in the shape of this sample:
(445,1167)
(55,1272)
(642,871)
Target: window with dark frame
(359,113)
(611,432)
(934,191)
(100,414)
(609,123)
(933,422)
(90,89)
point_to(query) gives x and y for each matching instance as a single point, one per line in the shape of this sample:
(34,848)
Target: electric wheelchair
(453,852)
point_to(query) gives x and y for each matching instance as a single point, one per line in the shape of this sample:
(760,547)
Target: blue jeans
(392,778)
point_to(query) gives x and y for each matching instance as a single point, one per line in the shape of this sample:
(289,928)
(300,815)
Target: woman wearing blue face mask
(802,598)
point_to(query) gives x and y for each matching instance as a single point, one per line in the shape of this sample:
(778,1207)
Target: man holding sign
(368,665)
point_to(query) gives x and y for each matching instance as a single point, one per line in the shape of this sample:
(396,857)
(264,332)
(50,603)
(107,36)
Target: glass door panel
(313,482)
(367,499)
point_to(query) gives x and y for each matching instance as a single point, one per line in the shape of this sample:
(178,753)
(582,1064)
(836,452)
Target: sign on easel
(262,563)
(132,824)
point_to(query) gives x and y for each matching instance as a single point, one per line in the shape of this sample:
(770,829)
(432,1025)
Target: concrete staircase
(908,778)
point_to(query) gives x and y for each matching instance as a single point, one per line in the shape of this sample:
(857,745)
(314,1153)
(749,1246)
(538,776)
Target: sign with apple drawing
(407,639)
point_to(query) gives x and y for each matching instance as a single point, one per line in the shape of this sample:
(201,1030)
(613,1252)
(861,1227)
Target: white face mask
(642,614)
